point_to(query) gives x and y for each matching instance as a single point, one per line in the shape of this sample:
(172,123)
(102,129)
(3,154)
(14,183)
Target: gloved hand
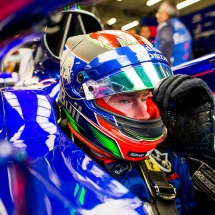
(187,109)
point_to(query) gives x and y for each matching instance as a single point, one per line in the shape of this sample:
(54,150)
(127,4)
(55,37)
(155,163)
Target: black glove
(187,109)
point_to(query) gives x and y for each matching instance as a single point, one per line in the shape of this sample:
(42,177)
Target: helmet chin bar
(140,129)
(135,129)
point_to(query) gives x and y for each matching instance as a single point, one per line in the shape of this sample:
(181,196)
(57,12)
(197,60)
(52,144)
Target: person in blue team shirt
(128,111)
(173,38)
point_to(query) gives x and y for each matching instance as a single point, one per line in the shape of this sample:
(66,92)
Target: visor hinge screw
(80,77)
(81,89)
(90,88)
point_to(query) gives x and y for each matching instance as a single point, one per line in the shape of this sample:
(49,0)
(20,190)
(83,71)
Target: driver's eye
(124,101)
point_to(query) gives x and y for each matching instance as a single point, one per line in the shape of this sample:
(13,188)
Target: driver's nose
(140,111)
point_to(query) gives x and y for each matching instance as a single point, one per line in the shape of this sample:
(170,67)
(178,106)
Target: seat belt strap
(162,193)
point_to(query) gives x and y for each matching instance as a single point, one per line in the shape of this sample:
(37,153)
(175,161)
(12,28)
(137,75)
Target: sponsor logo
(157,56)
(151,165)
(149,53)
(119,169)
(136,154)
(161,160)
(73,110)
(150,49)
(196,18)
(180,38)
(148,56)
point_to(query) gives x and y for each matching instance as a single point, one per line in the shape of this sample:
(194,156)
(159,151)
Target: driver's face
(133,105)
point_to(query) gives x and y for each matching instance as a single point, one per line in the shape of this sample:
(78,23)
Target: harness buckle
(165,192)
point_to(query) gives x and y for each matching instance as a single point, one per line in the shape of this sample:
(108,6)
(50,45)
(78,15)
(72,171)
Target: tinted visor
(142,77)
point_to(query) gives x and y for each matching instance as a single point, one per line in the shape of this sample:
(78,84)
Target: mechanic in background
(145,31)
(173,38)
(121,101)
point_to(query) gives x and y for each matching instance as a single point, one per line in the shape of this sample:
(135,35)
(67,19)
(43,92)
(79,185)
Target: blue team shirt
(174,41)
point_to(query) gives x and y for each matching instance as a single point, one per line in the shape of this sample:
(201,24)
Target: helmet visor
(142,77)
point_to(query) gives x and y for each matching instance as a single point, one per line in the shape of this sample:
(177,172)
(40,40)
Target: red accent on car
(203,73)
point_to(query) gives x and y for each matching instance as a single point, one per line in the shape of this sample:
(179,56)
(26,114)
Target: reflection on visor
(139,78)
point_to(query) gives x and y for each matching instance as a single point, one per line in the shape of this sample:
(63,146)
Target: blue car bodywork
(203,67)
(59,177)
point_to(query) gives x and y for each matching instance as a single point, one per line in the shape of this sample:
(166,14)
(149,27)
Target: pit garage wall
(202,27)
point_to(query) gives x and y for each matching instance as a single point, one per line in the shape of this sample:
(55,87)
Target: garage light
(111,21)
(186,3)
(129,25)
(151,2)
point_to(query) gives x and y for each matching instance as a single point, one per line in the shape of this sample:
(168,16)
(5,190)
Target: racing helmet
(102,64)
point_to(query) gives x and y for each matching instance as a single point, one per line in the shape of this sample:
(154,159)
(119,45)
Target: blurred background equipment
(197,15)
(126,11)
(39,58)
